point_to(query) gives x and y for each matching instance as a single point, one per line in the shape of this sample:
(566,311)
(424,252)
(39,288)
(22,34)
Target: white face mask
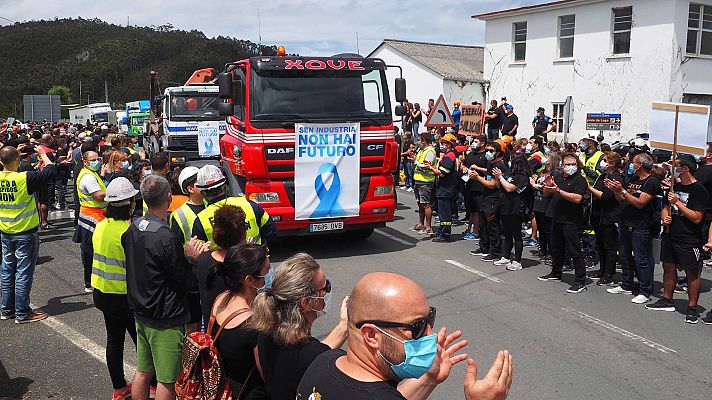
(327,303)
(604,164)
(570,169)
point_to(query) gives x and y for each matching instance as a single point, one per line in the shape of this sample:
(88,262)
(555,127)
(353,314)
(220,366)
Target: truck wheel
(360,234)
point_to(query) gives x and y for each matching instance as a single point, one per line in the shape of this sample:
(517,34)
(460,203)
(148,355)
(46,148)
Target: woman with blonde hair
(283,315)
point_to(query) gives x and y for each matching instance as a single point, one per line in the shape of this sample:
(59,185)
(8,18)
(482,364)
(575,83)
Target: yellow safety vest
(591,164)
(91,211)
(423,174)
(18,209)
(108,269)
(184,217)
(86,200)
(253,227)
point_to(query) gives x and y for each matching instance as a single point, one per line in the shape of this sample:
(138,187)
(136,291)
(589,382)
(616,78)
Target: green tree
(64,93)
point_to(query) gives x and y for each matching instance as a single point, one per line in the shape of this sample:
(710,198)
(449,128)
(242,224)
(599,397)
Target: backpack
(202,374)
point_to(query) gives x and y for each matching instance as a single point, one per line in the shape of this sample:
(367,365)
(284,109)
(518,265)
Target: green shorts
(159,351)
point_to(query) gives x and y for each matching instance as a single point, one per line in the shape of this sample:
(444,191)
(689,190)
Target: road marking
(621,331)
(89,346)
(474,271)
(392,237)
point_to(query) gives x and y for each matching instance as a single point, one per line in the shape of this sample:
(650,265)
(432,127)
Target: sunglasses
(326,288)
(417,329)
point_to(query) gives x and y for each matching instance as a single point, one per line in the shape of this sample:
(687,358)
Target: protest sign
(326,170)
(472,120)
(208,141)
(679,127)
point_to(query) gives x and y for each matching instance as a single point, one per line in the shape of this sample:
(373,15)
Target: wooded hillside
(38,55)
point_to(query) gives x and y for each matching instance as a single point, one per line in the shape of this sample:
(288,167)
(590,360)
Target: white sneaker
(618,290)
(640,299)
(514,266)
(88,290)
(501,261)
(409,190)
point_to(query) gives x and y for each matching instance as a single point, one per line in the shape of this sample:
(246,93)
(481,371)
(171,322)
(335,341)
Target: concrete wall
(597,80)
(466,92)
(691,73)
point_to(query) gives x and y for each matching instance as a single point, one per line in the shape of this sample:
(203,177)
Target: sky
(307,27)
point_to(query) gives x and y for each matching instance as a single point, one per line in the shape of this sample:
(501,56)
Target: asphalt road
(588,346)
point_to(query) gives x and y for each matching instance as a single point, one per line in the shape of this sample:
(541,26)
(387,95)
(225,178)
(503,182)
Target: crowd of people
(168,253)
(580,204)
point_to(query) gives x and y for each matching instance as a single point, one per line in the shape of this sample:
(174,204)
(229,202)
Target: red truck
(265,97)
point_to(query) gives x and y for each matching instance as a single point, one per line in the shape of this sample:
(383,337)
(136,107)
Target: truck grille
(189,143)
(363,189)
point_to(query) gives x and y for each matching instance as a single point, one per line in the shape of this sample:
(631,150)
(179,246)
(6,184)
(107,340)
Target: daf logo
(280,150)
(374,147)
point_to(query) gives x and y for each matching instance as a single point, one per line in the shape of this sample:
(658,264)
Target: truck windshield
(327,95)
(187,106)
(101,117)
(138,120)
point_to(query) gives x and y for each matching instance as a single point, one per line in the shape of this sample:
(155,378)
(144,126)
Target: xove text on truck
(272,102)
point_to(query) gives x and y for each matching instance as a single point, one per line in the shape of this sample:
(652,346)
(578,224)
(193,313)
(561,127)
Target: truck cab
(185,111)
(265,97)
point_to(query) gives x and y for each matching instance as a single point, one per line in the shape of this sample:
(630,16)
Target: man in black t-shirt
(567,190)
(385,312)
(636,217)
(510,122)
(474,163)
(681,246)
(490,247)
(446,187)
(494,118)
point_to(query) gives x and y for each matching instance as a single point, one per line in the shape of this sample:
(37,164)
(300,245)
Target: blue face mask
(419,356)
(509,164)
(268,278)
(631,169)
(147,172)
(94,165)
(489,156)
(125,165)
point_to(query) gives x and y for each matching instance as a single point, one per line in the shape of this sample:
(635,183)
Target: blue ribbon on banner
(209,147)
(329,198)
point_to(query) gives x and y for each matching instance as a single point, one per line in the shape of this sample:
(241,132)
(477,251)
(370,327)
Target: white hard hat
(186,174)
(120,191)
(104,127)
(210,177)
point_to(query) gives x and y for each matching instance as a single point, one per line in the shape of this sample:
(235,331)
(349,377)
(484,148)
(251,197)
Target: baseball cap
(210,177)
(540,109)
(510,107)
(187,174)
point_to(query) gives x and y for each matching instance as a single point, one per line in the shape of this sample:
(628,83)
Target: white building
(432,69)
(610,56)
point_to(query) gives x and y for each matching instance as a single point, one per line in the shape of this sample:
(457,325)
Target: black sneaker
(550,277)
(661,305)
(605,282)
(708,319)
(490,257)
(576,288)
(681,288)
(537,253)
(479,252)
(442,239)
(594,277)
(568,267)
(692,316)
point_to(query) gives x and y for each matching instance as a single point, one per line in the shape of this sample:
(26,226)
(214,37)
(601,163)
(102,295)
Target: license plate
(326,226)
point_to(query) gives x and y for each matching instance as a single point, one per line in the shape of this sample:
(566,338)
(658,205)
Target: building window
(622,25)
(702,99)
(519,40)
(567,23)
(699,30)
(558,116)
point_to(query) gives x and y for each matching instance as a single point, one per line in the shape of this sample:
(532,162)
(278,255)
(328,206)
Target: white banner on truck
(326,170)
(208,141)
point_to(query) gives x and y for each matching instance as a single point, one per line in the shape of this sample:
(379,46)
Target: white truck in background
(90,114)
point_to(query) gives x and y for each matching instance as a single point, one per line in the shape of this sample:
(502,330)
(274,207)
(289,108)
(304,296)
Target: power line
(9,20)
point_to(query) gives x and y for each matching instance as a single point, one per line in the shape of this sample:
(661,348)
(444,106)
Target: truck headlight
(177,159)
(267,197)
(383,190)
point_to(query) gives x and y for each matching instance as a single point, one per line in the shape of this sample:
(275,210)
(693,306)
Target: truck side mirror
(226,109)
(401,110)
(225,85)
(400,90)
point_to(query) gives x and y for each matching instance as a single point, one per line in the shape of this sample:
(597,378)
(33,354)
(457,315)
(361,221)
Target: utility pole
(357,48)
(128,20)
(106,92)
(80,93)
